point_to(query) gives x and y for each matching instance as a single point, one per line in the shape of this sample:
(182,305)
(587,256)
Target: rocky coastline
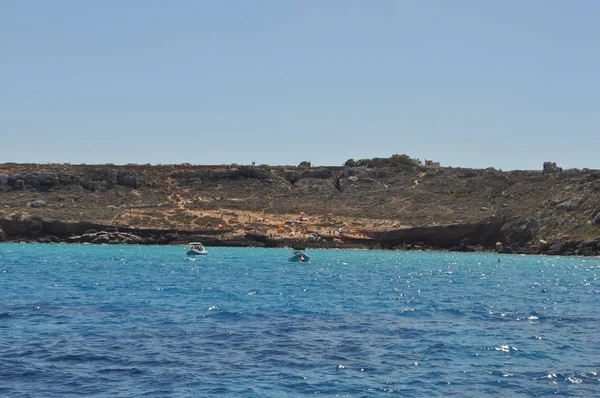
(392,203)
(482,236)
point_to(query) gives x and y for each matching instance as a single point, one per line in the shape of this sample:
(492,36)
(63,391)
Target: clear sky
(506,84)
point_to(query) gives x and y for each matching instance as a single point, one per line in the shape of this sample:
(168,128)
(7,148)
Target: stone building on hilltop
(430,164)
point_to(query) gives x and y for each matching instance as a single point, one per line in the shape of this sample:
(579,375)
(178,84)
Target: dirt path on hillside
(243,221)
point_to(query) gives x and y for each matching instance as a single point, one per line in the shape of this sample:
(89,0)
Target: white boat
(299,256)
(197,248)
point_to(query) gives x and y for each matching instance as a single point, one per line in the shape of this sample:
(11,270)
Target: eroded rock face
(320,173)
(130,179)
(239,173)
(520,232)
(292,176)
(20,224)
(317,173)
(62,229)
(108,237)
(361,172)
(37,204)
(483,233)
(4,183)
(92,180)
(570,205)
(23,224)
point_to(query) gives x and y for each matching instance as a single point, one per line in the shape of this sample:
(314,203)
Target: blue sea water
(133,321)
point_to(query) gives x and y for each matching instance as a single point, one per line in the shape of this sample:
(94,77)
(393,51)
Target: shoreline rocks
(494,235)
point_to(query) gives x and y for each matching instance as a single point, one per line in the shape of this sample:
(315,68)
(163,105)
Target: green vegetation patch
(461,192)
(395,160)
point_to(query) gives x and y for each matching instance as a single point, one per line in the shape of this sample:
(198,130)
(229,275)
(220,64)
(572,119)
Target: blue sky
(504,84)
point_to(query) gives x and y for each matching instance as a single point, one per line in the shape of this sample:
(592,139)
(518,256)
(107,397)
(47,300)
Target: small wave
(218,314)
(127,371)
(528,318)
(506,348)
(438,347)
(564,347)
(452,311)
(577,378)
(79,358)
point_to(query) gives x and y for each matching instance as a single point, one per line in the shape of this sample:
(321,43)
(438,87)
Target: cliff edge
(550,210)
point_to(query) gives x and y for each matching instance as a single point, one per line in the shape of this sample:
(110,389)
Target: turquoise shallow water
(125,321)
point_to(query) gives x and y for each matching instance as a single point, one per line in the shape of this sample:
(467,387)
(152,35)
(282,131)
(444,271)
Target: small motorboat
(299,256)
(197,249)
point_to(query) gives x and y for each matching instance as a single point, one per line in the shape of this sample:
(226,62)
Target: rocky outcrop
(317,172)
(551,168)
(363,172)
(108,237)
(483,233)
(237,173)
(569,247)
(294,176)
(37,204)
(20,224)
(23,224)
(4,182)
(95,179)
(64,229)
(570,205)
(520,232)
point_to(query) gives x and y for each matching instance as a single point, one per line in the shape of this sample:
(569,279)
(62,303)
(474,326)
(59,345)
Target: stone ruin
(551,168)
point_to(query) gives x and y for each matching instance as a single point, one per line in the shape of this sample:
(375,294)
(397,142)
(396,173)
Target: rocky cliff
(535,211)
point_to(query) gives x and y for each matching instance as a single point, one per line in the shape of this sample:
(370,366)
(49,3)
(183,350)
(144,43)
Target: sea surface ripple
(133,321)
